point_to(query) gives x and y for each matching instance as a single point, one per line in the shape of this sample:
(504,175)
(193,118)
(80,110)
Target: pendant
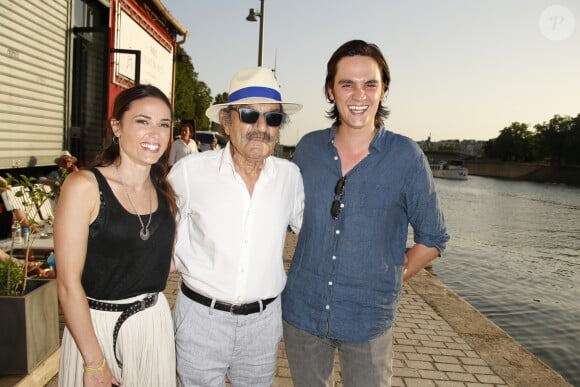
(144,234)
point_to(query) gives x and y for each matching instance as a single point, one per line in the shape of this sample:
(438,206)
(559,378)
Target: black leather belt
(243,309)
(127,311)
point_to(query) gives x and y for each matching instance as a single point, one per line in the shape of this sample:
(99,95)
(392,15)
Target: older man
(184,145)
(235,206)
(66,164)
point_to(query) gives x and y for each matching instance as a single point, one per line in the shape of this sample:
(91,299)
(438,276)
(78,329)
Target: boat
(452,169)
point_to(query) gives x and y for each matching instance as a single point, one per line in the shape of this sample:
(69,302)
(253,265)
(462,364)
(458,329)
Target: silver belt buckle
(233,307)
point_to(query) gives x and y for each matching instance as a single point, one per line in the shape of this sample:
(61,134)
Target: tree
(552,137)
(221,98)
(515,143)
(571,148)
(192,96)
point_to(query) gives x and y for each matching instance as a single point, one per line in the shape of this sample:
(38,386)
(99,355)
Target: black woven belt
(127,311)
(243,309)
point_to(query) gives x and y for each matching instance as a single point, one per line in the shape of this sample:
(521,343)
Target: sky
(460,69)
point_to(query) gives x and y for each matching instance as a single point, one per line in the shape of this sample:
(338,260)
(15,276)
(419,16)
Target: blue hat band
(254,92)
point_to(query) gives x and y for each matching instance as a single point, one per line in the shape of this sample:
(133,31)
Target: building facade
(62,62)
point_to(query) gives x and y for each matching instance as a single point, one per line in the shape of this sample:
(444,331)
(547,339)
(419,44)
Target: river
(514,254)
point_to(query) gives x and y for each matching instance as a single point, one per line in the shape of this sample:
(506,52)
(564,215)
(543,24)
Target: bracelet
(99,368)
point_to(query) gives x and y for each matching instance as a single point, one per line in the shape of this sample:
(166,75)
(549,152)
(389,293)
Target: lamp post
(253,16)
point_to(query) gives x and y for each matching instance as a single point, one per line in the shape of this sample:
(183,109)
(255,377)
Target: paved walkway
(429,351)
(440,341)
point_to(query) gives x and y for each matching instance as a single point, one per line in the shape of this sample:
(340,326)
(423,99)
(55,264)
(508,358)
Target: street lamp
(252,17)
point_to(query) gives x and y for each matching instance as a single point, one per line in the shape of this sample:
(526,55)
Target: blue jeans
(211,343)
(311,359)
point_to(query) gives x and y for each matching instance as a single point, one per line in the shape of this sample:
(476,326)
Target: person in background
(214,144)
(363,186)
(184,145)
(66,164)
(11,210)
(235,206)
(113,238)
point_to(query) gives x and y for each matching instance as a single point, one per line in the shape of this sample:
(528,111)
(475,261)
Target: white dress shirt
(229,243)
(180,149)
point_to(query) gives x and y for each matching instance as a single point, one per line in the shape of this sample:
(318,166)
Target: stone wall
(528,172)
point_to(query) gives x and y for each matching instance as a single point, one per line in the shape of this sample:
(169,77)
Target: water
(514,254)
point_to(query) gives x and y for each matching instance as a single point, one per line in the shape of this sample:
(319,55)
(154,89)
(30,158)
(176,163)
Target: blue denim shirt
(346,275)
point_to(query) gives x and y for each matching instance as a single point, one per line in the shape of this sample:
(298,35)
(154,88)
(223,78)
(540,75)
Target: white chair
(46,208)
(17,197)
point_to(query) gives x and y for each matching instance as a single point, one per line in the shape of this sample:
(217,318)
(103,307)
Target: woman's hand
(98,375)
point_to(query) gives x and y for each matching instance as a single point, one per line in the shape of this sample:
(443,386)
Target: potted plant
(29,329)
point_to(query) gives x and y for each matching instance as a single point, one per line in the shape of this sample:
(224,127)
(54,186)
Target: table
(37,243)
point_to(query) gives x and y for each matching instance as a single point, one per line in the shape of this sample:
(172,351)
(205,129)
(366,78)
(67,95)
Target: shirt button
(337,232)
(336,157)
(334,257)
(327,307)
(330,283)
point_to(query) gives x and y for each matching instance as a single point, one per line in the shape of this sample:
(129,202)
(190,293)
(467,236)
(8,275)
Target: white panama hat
(252,86)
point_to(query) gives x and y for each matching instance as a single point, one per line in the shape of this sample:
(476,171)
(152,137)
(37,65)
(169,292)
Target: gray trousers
(211,343)
(311,358)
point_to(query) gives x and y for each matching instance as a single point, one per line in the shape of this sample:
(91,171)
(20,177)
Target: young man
(235,205)
(363,186)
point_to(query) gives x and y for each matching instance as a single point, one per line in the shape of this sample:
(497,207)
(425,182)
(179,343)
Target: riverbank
(526,172)
(507,358)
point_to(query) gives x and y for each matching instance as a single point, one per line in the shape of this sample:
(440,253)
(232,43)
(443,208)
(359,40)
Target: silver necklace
(144,233)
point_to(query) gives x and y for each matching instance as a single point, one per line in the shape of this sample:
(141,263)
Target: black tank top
(118,263)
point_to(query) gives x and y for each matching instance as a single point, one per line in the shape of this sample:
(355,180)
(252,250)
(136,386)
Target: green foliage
(192,96)
(571,147)
(221,98)
(513,144)
(11,278)
(557,141)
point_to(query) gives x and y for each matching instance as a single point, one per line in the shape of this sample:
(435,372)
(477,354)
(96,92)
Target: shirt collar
(378,143)
(226,163)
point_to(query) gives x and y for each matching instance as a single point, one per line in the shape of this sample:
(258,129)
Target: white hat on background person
(252,86)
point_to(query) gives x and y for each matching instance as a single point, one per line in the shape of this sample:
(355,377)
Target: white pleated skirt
(145,346)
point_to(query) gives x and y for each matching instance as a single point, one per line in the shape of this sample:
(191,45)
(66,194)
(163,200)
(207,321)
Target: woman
(113,233)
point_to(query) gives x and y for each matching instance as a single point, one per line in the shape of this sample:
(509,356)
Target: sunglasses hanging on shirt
(338,194)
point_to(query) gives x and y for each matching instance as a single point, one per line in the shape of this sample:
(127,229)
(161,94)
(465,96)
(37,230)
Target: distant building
(452,148)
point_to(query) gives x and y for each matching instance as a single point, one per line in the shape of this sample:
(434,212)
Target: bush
(11,278)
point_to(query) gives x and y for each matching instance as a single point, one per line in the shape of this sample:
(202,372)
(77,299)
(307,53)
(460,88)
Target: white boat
(452,169)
